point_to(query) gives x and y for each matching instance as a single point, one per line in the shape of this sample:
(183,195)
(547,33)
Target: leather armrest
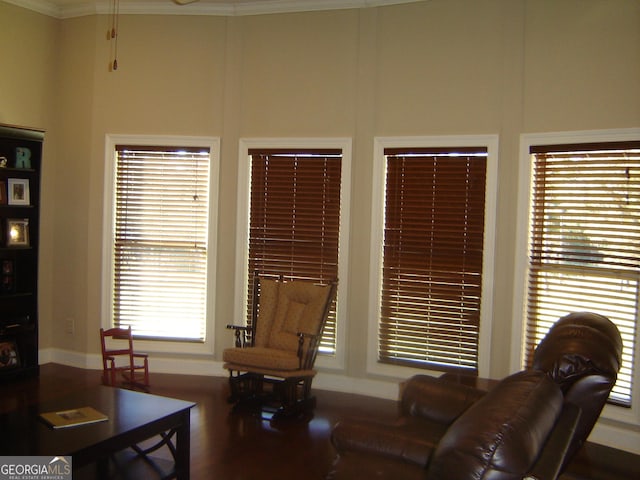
(428,406)
(408,440)
(353,465)
(553,456)
(436,399)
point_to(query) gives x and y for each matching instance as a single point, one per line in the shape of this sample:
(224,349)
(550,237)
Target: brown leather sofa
(525,427)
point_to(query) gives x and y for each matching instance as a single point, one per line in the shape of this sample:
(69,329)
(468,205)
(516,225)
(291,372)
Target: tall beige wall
(429,68)
(29,57)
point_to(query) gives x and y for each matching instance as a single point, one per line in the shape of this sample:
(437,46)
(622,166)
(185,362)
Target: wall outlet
(69,325)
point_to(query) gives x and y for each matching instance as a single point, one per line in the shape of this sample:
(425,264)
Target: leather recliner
(528,426)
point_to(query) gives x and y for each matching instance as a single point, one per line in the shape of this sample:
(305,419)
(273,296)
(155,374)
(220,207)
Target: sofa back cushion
(501,435)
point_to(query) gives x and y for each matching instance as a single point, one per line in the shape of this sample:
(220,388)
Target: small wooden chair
(121,365)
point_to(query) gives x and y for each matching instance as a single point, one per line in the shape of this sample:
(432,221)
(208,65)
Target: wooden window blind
(432,257)
(584,250)
(160,241)
(294,219)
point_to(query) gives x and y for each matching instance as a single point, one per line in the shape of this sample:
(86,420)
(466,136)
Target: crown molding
(40,6)
(167,7)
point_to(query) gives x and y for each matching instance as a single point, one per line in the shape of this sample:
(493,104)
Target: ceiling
(78,8)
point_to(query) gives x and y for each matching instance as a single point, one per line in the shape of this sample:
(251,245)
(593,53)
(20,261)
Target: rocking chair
(121,366)
(271,365)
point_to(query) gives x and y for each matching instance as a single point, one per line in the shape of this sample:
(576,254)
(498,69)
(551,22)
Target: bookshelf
(20,167)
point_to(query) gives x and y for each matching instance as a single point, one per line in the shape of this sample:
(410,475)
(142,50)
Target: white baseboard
(67,357)
(619,437)
(616,437)
(359,386)
(157,364)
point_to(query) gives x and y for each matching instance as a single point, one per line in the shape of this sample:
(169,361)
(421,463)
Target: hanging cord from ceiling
(112,35)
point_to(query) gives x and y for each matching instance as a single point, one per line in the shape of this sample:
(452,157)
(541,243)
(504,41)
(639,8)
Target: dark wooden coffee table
(133,418)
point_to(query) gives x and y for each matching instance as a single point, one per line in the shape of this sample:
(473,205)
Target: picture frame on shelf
(7,267)
(8,281)
(8,284)
(3,192)
(9,357)
(18,191)
(17,232)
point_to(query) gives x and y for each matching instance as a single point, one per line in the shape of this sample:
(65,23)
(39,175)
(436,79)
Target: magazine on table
(73,417)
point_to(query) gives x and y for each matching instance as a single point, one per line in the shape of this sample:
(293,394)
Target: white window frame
(337,361)
(377,237)
(213,144)
(521,264)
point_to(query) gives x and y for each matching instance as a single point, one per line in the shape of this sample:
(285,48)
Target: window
(584,242)
(433,256)
(160,247)
(295,219)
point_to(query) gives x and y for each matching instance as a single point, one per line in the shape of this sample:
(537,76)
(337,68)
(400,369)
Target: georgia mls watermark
(35,468)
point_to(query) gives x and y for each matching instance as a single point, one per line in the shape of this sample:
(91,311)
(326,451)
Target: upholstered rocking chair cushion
(261,357)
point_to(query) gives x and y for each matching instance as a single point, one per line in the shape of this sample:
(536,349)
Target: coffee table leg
(183,447)
(102,468)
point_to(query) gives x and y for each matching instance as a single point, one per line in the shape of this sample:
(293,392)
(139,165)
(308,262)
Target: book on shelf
(73,417)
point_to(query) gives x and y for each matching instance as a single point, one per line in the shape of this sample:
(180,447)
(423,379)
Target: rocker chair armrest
(240,332)
(144,356)
(309,335)
(313,340)
(238,327)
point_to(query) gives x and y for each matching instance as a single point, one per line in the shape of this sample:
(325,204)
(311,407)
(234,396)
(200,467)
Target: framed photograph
(18,191)
(9,357)
(7,267)
(7,285)
(18,232)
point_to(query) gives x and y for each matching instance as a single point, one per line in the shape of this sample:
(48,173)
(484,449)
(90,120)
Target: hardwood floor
(231,446)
